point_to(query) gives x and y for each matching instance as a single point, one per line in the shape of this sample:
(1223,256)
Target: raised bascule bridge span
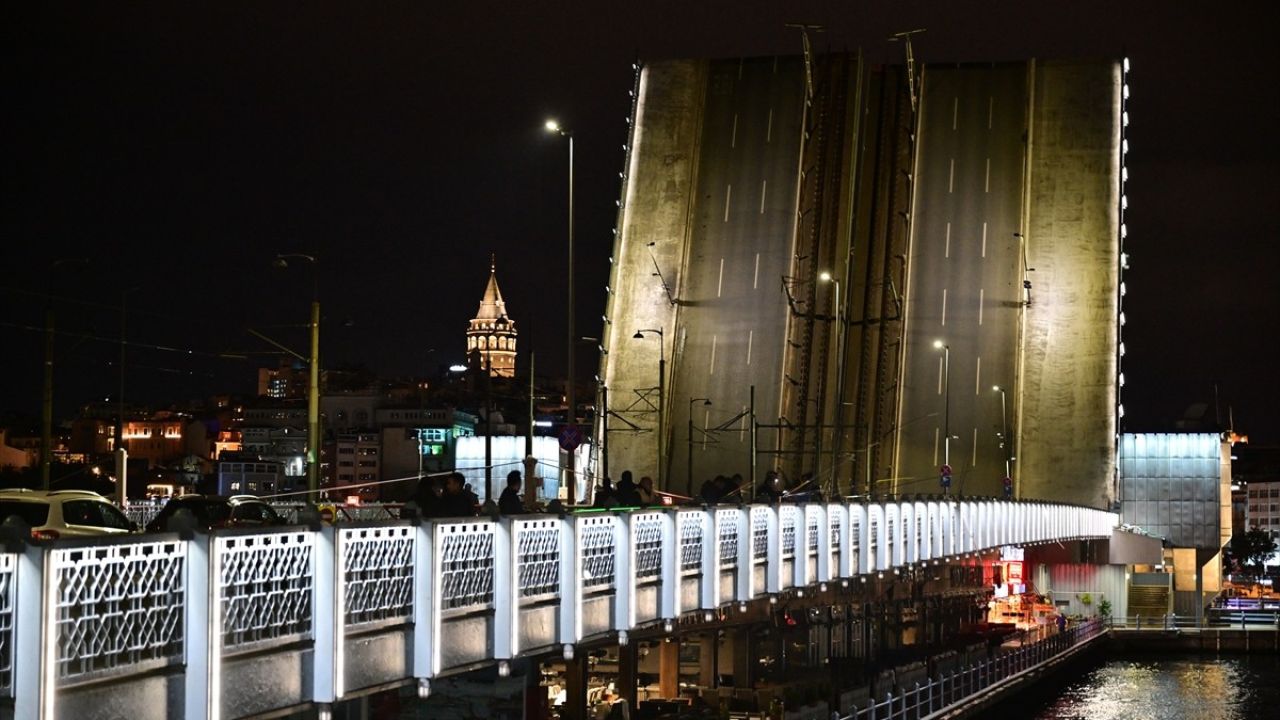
(817,271)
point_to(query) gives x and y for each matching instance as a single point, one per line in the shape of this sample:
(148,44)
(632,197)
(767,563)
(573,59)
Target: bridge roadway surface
(965,278)
(243,622)
(733,312)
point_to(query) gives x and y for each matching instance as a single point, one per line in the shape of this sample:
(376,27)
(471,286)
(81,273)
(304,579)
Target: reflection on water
(1168,687)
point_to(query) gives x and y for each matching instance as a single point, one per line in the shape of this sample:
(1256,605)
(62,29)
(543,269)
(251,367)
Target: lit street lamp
(706,402)
(1004,431)
(572,419)
(946,401)
(825,276)
(662,396)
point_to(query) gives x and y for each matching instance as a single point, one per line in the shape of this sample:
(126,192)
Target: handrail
(458,593)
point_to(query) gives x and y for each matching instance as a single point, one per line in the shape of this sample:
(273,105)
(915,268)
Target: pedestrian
(456,501)
(628,496)
(606,496)
(712,490)
(1062,622)
(509,502)
(646,492)
(427,496)
(771,488)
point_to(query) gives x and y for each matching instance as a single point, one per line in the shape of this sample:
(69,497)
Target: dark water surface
(1153,687)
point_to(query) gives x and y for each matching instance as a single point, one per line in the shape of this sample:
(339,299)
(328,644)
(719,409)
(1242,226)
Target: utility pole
(46,410)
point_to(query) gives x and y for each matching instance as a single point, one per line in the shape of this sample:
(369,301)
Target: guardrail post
(33,631)
(424,614)
(668,603)
(326,617)
(197,632)
(506,598)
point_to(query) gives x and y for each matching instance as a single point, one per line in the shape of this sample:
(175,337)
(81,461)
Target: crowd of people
(450,496)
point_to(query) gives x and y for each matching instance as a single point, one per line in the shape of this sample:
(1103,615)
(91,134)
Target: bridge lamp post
(1004,430)
(662,395)
(313,375)
(946,400)
(706,402)
(839,429)
(571,400)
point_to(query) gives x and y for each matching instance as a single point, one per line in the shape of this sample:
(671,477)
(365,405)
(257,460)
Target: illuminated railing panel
(466,564)
(377,573)
(538,557)
(8,562)
(266,587)
(119,607)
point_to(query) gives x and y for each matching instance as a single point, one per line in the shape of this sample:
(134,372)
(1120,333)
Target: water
(1153,687)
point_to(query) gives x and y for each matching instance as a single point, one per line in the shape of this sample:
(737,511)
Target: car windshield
(256,512)
(94,513)
(207,512)
(32,513)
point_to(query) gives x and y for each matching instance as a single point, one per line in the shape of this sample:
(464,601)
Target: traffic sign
(570,438)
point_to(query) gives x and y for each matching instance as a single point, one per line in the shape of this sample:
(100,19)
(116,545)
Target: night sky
(180,149)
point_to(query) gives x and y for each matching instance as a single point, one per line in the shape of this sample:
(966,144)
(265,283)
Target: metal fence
(442,595)
(951,688)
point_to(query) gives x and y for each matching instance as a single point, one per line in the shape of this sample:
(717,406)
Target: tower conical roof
(492,306)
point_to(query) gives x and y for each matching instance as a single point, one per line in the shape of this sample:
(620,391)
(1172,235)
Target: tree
(1252,548)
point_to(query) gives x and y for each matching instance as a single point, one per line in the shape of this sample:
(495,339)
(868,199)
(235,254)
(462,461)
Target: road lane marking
(755,278)
(951,176)
(713,356)
(984,239)
(977,378)
(764,188)
(955,111)
(986,183)
(733,137)
(936,435)
(991,106)
(728,196)
(751,334)
(768,131)
(981,292)
(974,462)
(947,250)
(941,370)
(720,282)
(706,420)
(944,307)
(742,425)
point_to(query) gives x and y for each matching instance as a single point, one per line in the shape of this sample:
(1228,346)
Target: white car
(64,513)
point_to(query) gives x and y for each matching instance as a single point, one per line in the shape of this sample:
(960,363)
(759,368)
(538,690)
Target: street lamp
(946,401)
(554,127)
(825,276)
(313,377)
(706,402)
(1004,430)
(662,397)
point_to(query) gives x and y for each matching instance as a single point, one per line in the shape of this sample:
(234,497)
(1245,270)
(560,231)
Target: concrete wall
(1068,380)
(657,202)
(1071,581)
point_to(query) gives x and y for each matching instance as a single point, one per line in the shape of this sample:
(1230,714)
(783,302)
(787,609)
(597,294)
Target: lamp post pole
(662,394)
(46,411)
(570,396)
(946,400)
(313,376)
(706,402)
(1004,431)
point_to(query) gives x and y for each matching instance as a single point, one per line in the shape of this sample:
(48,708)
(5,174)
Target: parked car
(52,514)
(218,511)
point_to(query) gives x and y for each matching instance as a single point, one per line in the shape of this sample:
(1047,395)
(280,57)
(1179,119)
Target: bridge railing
(938,693)
(244,621)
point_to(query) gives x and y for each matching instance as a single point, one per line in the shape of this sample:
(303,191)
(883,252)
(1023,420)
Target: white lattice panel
(377,569)
(117,606)
(266,585)
(537,557)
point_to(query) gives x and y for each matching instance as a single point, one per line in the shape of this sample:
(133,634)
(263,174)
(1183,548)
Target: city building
(287,382)
(249,476)
(491,337)
(356,461)
(12,457)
